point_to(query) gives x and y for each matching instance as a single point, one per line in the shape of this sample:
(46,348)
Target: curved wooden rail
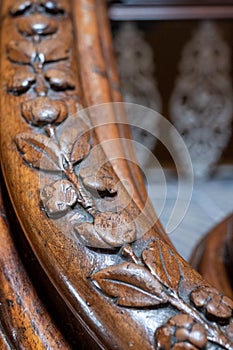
(25,323)
(213,256)
(101,248)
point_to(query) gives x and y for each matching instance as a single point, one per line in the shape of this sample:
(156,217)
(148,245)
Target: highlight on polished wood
(102,249)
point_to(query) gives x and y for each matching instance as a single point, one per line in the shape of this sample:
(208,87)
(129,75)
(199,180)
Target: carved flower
(43,110)
(58,198)
(51,6)
(181,332)
(37,24)
(214,304)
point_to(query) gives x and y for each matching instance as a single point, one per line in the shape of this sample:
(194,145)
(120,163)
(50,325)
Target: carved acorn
(43,110)
(215,305)
(58,198)
(180,332)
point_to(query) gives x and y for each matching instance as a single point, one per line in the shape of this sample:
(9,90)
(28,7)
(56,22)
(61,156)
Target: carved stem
(84,199)
(40,88)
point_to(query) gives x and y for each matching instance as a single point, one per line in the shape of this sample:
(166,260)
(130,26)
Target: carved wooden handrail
(25,323)
(102,249)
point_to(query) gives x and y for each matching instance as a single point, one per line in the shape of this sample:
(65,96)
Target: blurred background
(177,60)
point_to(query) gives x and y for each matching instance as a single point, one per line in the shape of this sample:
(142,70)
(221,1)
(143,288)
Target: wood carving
(25,322)
(120,277)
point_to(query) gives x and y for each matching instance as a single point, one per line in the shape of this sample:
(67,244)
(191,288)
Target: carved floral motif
(157,280)
(180,333)
(156,275)
(215,305)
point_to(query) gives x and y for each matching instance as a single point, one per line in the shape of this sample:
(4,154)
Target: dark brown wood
(98,245)
(212,257)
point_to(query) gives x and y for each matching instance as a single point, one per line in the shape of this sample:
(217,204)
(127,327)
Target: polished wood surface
(102,249)
(25,323)
(213,257)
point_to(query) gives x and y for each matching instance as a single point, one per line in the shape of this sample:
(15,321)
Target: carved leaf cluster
(180,332)
(36,52)
(46,51)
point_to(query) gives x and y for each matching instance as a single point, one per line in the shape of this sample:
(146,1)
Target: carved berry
(163,337)
(213,303)
(58,198)
(42,111)
(180,332)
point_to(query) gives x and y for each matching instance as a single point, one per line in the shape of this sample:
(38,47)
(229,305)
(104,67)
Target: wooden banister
(101,248)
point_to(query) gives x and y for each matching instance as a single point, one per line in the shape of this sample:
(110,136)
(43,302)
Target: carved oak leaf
(162,263)
(52,51)
(21,81)
(39,152)
(60,80)
(42,111)
(58,198)
(131,284)
(37,24)
(21,51)
(101,182)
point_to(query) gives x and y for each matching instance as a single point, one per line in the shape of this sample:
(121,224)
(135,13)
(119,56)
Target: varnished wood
(110,263)
(25,322)
(212,257)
